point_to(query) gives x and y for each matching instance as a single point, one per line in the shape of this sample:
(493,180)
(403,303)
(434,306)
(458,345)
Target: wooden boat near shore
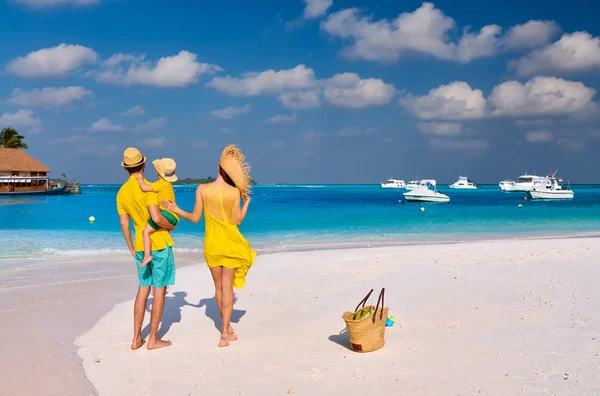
(21,174)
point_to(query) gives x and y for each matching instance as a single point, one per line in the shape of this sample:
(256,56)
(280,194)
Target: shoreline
(299,246)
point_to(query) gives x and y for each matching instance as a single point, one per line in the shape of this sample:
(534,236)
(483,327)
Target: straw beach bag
(366,325)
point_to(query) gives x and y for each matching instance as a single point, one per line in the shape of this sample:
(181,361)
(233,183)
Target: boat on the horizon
(426,193)
(21,174)
(464,183)
(524,184)
(393,183)
(550,188)
(411,185)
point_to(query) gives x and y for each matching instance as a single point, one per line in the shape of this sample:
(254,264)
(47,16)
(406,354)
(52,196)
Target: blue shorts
(160,272)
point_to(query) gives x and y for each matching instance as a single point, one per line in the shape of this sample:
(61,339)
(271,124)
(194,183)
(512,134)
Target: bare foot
(137,344)
(224,342)
(231,334)
(145,261)
(158,344)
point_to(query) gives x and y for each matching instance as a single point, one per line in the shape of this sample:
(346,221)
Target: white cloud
(427,31)
(105,125)
(443,129)
(316,8)
(570,145)
(533,123)
(134,111)
(300,100)
(22,119)
(58,61)
(54,3)
(176,71)
(283,119)
(455,101)
(348,90)
(49,97)
(573,52)
(459,145)
(151,125)
(530,34)
(267,82)
(155,142)
(541,96)
(229,112)
(356,131)
(539,136)
(298,88)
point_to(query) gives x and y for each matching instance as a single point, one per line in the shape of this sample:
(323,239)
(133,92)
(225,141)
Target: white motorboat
(411,185)
(550,188)
(427,193)
(393,183)
(524,184)
(464,183)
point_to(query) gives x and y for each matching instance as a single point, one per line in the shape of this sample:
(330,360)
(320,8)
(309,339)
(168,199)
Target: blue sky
(319,91)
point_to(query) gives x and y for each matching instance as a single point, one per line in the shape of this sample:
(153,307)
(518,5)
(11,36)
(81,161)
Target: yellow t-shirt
(132,201)
(165,192)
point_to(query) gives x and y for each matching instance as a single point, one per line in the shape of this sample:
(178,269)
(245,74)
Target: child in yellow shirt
(163,187)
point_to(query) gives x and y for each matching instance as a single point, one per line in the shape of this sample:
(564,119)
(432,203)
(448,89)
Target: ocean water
(298,216)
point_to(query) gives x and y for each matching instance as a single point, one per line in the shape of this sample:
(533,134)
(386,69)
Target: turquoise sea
(299,216)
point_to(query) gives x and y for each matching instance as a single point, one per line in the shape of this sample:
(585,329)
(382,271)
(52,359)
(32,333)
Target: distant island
(204,180)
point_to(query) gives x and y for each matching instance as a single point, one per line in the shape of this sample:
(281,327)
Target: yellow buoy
(92,219)
(422,209)
(520,206)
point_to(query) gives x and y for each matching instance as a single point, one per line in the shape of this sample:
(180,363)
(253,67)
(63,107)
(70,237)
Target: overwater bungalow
(21,174)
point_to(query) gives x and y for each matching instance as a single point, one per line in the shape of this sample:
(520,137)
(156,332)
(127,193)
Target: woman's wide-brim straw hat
(233,162)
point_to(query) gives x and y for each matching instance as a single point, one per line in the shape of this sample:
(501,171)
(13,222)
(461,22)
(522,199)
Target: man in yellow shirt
(135,205)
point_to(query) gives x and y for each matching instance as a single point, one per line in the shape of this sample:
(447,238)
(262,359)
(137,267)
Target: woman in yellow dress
(227,252)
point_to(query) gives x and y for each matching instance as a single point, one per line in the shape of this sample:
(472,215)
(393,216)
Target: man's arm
(124,219)
(159,219)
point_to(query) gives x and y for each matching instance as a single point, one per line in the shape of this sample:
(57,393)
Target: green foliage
(10,138)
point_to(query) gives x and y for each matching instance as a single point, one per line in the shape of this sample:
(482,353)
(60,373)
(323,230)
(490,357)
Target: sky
(313,91)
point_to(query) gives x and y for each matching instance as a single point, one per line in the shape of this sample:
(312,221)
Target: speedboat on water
(411,185)
(550,188)
(427,193)
(525,183)
(393,183)
(464,183)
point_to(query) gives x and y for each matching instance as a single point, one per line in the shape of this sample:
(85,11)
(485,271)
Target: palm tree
(10,138)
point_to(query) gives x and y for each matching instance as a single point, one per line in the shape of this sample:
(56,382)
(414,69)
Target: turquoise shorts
(167,215)
(160,272)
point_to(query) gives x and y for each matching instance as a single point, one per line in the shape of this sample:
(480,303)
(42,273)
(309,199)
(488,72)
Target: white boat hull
(396,186)
(516,187)
(461,187)
(551,194)
(415,196)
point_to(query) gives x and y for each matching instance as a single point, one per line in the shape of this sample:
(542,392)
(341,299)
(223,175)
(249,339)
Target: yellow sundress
(224,244)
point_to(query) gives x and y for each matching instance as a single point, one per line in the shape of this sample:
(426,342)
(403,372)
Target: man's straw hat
(233,162)
(132,158)
(166,169)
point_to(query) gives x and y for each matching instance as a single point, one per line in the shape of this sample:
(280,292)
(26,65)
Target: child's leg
(147,245)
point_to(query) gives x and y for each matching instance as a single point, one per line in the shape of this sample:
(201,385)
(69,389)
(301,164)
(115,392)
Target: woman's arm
(145,187)
(240,212)
(196,215)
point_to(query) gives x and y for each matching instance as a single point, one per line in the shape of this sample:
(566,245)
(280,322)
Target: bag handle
(363,301)
(381,298)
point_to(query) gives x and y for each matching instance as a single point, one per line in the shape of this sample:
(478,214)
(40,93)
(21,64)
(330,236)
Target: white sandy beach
(484,318)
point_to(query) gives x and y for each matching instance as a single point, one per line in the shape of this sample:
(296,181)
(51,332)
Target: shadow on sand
(212,311)
(343,339)
(172,313)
